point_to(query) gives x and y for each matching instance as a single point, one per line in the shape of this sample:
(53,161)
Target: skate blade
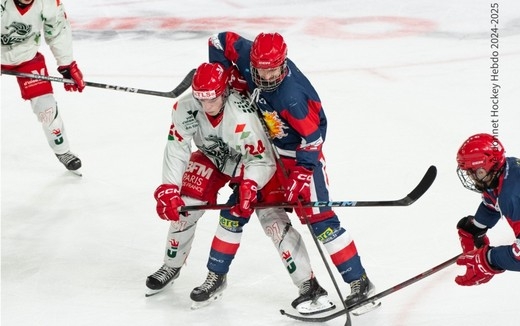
(200,304)
(311,308)
(151,292)
(76,172)
(366,308)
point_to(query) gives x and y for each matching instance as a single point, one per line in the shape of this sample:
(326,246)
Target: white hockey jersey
(22,31)
(237,141)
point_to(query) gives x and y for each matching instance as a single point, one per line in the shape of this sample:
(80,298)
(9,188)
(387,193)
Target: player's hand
(299,185)
(478,270)
(247,193)
(471,237)
(236,81)
(168,202)
(72,72)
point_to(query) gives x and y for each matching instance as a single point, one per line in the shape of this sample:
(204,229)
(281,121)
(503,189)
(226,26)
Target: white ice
(403,85)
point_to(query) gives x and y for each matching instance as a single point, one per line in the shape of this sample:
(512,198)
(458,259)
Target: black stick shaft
(183,85)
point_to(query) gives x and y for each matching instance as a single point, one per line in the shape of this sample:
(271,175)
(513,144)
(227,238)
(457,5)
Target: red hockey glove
(478,270)
(470,242)
(236,81)
(247,192)
(72,72)
(299,185)
(168,201)
(471,237)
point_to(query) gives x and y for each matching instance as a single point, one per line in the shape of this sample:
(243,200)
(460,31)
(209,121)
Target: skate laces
(164,273)
(210,282)
(66,158)
(305,287)
(357,285)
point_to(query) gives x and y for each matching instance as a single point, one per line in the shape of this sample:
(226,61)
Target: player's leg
(312,298)
(45,107)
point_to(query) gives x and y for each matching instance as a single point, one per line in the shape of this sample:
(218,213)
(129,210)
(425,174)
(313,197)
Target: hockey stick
(305,216)
(176,92)
(378,296)
(416,193)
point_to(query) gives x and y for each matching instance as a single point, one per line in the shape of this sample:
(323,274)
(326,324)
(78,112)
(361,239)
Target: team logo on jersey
(218,151)
(17,33)
(274,124)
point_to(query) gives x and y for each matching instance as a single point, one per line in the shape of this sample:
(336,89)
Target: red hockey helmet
(481,156)
(481,151)
(210,81)
(268,51)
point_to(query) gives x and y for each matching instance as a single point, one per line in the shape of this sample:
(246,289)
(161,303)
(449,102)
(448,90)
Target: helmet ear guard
(479,153)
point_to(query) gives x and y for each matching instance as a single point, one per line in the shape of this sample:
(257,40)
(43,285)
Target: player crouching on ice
(484,168)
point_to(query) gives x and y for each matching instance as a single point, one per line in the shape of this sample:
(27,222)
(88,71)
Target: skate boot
(209,291)
(71,162)
(160,279)
(313,299)
(360,290)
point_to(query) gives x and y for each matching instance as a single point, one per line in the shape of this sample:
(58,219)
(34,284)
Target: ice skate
(211,290)
(71,162)
(360,290)
(159,280)
(313,299)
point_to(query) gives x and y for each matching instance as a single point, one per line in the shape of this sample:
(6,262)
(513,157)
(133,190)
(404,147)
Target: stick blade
(422,187)
(183,85)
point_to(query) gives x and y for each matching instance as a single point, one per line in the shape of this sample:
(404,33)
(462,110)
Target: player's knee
(45,108)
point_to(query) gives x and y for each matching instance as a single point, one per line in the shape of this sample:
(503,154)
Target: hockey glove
(478,269)
(471,237)
(247,193)
(72,72)
(168,202)
(299,185)
(236,81)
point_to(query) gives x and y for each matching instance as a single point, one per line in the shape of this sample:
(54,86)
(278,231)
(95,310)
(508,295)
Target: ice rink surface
(403,85)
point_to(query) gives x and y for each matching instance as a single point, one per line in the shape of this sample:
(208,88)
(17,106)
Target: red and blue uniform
(504,200)
(297,124)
